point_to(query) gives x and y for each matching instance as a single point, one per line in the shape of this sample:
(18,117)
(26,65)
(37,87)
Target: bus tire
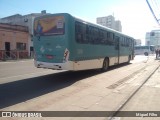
(129,59)
(105,64)
(146,53)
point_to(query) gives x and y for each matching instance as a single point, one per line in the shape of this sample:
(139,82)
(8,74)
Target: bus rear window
(54,25)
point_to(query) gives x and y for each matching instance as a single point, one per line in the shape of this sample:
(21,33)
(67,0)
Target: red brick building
(13,41)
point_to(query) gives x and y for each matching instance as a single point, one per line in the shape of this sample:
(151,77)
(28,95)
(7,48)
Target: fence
(13,55)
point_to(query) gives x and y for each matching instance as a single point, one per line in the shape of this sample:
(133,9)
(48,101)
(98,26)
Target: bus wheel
(146,54)
(129,59)
(105,64)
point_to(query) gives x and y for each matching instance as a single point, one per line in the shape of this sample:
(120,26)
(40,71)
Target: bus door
(117,39)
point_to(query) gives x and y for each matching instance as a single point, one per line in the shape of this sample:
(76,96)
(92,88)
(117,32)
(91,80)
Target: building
(13,41)
(147,38)
(118,26)
(110,22)
(24,20)
(137,42)
(153,38)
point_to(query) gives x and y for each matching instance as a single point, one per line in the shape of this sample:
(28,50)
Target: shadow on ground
(22,90)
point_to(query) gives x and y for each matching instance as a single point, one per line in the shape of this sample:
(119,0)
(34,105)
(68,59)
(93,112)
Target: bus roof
(143,45)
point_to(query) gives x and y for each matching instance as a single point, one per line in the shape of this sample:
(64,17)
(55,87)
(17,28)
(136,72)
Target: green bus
(64,42)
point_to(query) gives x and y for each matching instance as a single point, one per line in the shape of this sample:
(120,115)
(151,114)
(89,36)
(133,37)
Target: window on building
(21,46)
(152,34)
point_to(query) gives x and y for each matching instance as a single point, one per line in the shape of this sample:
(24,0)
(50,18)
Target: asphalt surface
(24,87)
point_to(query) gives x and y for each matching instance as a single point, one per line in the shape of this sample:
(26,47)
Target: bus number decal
(60,24)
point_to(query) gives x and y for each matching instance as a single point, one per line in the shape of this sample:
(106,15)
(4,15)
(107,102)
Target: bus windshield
(53,25)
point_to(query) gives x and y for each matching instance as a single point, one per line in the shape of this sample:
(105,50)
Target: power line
(156,8)
(152,11)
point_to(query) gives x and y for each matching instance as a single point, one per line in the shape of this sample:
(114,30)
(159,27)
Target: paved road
(24,87)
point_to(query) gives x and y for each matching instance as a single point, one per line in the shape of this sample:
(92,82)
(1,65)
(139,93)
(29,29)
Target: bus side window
(135,48)
(91,34)
(87,34)
(105,38)
(87,29)
(151,48)
(125,42)
(121,41)
(80,29)
(113,39)
(97,40)
(95,35)
(116,43)
(84,40)
(130,42)
(102,37)
(110,38)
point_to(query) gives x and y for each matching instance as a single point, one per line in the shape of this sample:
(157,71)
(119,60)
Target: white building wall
(147,38)
(138,42)
(110,22)
(153,38)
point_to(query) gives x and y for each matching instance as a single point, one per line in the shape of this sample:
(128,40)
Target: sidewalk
(146,99)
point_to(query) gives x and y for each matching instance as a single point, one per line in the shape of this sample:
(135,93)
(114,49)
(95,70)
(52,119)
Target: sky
(135,15)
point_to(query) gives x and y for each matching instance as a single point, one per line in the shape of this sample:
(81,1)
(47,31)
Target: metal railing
(13,55)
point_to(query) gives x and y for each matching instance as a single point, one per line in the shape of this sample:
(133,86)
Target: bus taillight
(49,56)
